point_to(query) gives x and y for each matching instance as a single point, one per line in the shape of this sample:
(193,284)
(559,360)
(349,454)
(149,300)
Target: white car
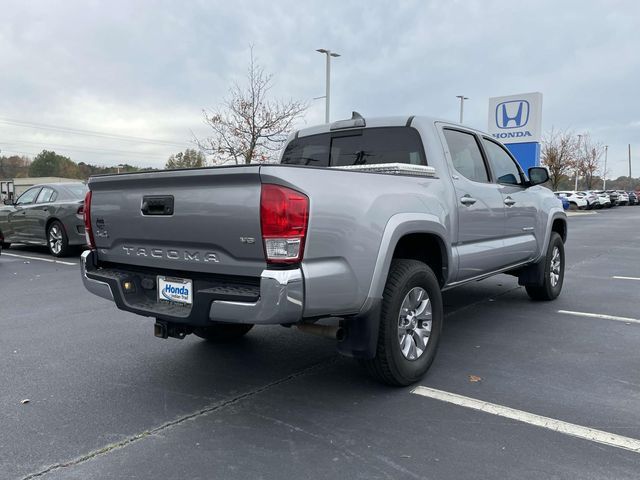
(591,198)
(576,202)
(603,199)
(623,197)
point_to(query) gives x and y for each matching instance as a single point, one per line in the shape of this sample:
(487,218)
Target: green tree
(190,158)
(50,164)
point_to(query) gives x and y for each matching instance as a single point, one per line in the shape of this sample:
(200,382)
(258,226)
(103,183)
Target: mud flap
(533,275)
(361,338)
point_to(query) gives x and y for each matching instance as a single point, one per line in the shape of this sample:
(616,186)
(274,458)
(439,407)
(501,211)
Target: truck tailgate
(204,220)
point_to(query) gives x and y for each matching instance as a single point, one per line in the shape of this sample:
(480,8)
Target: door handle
(509,202)
(467,200)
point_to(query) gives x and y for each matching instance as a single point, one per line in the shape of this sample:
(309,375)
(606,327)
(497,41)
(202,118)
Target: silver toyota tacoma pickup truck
(354,235)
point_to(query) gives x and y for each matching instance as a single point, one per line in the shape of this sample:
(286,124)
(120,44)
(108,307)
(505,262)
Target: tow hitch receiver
(165,330)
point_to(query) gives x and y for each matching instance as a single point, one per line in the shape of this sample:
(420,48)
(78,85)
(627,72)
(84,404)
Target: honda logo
(512,114)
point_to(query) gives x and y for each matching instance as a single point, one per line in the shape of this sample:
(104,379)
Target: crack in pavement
(191,416)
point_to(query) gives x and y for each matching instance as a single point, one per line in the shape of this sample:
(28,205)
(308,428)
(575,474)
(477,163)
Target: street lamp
(327,96)
(575,188)
(604,174)
(462,99)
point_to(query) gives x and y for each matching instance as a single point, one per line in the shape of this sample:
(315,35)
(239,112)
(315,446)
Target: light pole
(462,99)
(575,188)
(604,174)
(327,96)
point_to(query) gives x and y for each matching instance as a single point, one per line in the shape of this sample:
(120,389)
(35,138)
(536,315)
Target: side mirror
(8,201)
(538,175)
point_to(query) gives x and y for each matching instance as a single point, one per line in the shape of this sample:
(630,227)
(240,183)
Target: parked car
(633,198)
(623,197)
(605,198)
(576,202)
(364,220)
(48,215)
(565,203)
(614,197)
(591,198)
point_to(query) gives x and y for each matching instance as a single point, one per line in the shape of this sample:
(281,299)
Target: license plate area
(177,291)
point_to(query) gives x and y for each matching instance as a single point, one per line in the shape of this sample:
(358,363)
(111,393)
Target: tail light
(284,214)
(87,220)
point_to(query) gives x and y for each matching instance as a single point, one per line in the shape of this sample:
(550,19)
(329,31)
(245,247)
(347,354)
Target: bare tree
(588,159)
(248,126)
(558,154)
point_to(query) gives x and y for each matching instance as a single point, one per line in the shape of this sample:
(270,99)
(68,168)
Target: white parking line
(599,315)
(625,278)
(559,426)
(579,214)
(50,260)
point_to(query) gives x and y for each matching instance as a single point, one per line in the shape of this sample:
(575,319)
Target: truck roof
(372,122)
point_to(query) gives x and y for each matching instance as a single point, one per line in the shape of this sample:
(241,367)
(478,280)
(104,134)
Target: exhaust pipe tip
(327,331)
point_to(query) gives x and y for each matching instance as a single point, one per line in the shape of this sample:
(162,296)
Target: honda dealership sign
(516,120)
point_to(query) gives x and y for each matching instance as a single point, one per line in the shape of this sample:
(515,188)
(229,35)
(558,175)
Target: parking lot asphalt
(108,400)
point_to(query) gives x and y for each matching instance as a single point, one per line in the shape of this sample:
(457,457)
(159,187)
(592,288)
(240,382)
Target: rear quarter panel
(349,212)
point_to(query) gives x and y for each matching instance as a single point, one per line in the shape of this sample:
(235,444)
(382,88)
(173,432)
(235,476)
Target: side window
(504,168)
(45,195)
(28,197)
(466,156)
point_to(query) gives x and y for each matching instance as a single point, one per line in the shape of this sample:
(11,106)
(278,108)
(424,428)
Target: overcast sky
(146,69)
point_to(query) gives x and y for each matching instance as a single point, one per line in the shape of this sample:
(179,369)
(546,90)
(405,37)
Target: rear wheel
(223,332)
(410,324)
(57,239)
(553,277)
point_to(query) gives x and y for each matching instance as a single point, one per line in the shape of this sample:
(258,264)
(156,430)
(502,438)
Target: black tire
(548,291)
(390,365)
(60,246)
(4,244)
(223,332)
(573,206)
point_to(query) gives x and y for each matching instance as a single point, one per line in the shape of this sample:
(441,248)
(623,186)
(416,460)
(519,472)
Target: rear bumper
(279,299)
(97,287)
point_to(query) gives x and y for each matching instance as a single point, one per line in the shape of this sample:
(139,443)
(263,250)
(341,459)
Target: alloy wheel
(55,239)
(556,265)
(414,323)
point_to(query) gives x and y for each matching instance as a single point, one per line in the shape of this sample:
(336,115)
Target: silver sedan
(48,215)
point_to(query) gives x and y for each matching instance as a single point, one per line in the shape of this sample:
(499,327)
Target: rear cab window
(357,147)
